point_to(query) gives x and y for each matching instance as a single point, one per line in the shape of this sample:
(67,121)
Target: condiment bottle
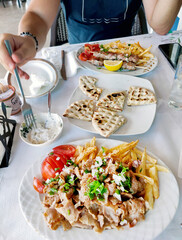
(10,98)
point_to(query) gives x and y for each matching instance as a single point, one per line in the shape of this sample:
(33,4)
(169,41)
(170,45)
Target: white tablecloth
(164,139)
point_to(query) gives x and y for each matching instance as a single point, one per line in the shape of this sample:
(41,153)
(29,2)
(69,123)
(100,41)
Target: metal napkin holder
(6,138)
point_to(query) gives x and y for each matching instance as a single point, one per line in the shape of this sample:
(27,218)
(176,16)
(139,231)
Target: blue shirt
(92,20)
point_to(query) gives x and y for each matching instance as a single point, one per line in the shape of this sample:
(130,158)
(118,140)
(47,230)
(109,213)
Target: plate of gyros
(101,189)
(119,57)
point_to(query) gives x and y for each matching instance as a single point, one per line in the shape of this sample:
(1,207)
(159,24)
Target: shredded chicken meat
(96,194)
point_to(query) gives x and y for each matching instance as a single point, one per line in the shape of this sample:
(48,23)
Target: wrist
(33,37)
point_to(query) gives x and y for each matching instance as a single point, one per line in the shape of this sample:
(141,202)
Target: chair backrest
(59,34)
(140,23)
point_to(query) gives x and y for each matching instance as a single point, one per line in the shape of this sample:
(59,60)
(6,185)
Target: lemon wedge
(112,65)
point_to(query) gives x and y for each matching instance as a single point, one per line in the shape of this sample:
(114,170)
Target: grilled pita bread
(107,122)
(82,110)
(140,96)
(113,101)
(87,85)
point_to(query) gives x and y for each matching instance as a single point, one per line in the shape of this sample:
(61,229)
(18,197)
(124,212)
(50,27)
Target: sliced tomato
(63,158)
(56,161)
(47,170)
(95,48)
(83,56)
(88,47)
(38,186)
(66,150)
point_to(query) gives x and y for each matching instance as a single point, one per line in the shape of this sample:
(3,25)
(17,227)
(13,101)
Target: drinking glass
(175,97)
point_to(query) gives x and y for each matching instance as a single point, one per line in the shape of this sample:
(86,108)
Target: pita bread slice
(140,96)
(113,101)
(87,85)
(82,110)
(107,122)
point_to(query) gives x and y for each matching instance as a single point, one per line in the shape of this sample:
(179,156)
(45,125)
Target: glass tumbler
(175,97)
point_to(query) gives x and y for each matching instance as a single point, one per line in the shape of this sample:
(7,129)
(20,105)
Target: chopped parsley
(87,171)
(96,189)
(66,187)
(103,150)
(70,162)
(117,191)
(25,130)
(68,211)
(51,153)
(56,169)
(127,183)
(51,180)
(103,49)
(53,191)
(140,169)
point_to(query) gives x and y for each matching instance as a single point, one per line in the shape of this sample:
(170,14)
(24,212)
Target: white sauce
(37,83)
(45,131)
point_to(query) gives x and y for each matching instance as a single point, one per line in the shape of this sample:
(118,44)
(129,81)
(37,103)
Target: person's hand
(23,50)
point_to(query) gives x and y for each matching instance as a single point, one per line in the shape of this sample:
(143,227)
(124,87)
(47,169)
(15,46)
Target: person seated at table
(86,21)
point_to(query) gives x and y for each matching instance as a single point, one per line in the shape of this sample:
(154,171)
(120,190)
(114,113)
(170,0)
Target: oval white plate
(39,67)
(139,118)
(147,67)
(155,222)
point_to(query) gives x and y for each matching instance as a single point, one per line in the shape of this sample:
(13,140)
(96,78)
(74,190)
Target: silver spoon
(49,103)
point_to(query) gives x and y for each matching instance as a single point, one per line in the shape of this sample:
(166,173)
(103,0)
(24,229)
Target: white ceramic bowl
(49,128)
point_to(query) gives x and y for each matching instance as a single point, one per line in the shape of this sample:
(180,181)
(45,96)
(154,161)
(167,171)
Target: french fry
(153,174)
(93,154)
(92,143)
(146,50)
(87,144)
(86,152)
(149,158)
(123,148)
(142,167)
(148,179)
(78,151)
(149,195)
(133,155)
(159,167)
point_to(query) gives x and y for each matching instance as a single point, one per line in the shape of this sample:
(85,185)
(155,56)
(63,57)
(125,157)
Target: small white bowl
(53,126)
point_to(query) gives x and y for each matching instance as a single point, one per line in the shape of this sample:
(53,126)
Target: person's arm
(37,20)
(161,14)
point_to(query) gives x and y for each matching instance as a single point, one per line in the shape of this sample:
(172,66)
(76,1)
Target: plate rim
(42,94)
(82,141)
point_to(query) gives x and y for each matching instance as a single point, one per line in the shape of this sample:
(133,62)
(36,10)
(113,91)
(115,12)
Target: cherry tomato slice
(38,186)
(88,47)
(66,150)
(47,170)
(83,56)
(95,48)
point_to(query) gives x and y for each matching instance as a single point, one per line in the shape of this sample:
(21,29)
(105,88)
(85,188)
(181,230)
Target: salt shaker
(175,97)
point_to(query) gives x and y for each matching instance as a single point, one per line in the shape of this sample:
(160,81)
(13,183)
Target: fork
(25,107)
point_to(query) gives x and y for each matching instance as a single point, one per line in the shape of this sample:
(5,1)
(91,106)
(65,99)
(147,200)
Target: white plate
(148,67)
(139,118)
(39,67)
(156,220)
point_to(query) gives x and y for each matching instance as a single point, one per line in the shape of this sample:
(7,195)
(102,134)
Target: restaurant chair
(59,34)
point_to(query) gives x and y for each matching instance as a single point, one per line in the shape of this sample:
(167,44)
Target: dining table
(164,138)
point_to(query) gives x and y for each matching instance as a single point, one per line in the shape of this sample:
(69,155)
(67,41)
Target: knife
(63,70)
